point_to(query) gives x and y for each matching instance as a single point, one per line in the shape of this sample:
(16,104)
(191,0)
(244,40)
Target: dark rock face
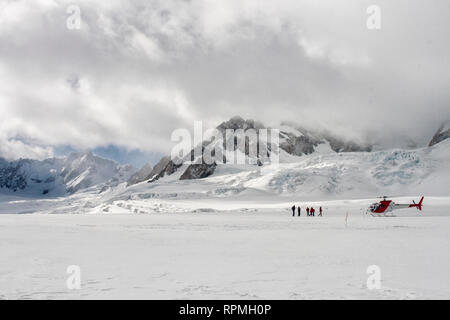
(237,122)
(294,140)
(440,135)
(305,144)
(243,143)
(298,145)
(159,167)
(12,178)
(198,171)
(151,174)
(169,168)
(140,175)
(202,170)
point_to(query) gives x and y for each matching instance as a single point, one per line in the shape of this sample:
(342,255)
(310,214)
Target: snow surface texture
(261,254)
(232,235)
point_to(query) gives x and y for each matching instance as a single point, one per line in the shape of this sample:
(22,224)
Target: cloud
(136,71)
(12,149)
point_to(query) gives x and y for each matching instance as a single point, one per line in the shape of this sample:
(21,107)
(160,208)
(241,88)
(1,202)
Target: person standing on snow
(307,211)
(293,210)
(320,211)
(299,210)
(312,211)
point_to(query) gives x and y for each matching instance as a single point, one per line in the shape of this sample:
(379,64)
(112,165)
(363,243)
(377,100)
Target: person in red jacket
(307,211)
(312,212)
(320,211)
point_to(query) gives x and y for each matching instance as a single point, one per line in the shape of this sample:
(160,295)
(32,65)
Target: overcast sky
(137,70)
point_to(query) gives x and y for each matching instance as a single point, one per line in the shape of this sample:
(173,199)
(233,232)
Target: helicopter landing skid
(382,214)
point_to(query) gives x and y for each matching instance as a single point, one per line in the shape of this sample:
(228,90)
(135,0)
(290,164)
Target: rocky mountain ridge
(293,140)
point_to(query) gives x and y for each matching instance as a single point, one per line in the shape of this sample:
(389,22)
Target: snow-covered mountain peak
(294,141)
(58,176)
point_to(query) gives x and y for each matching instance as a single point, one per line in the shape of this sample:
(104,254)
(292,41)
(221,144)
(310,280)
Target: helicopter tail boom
(417,205)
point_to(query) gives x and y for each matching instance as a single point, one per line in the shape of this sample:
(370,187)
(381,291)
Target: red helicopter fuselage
(385,206)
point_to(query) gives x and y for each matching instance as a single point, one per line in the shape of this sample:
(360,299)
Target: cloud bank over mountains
(135,71)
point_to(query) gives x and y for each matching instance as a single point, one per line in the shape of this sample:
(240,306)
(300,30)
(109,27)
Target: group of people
(310,212)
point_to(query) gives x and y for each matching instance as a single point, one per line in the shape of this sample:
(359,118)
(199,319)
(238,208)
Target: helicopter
(385,207)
